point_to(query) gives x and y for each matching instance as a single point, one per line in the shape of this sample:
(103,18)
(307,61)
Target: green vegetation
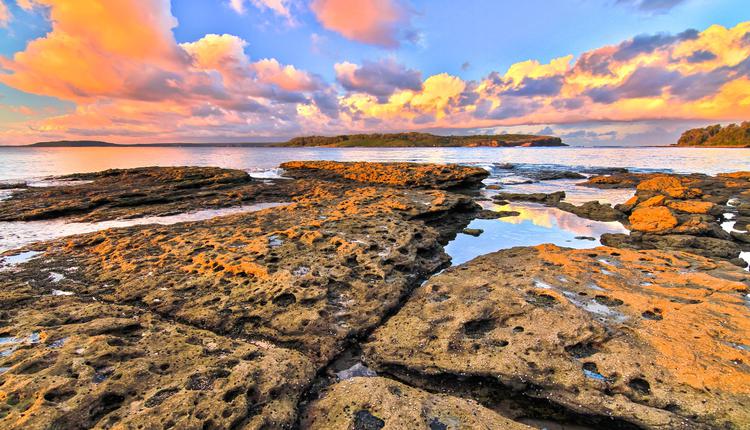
(415,139)
(733,135)
(79,143)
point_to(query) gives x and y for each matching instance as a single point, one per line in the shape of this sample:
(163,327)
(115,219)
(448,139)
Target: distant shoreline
(275,146)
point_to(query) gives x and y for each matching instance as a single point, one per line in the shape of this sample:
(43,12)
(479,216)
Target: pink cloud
(286,77)
(129,80)
(4,14)
(376,22)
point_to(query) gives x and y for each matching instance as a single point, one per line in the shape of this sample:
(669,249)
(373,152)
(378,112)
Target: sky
(594,72)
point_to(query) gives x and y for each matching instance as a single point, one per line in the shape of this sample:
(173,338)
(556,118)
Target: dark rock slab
(147,191)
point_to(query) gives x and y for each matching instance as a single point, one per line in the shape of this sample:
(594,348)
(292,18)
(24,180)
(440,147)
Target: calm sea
(535,223)
(33,163)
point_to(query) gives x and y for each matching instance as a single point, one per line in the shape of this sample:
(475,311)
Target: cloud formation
(377,22)
(380,79)
(128,79)
(685,76)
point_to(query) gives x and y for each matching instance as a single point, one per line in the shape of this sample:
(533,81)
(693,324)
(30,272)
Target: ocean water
(535,225)
(16,234)
(35,163)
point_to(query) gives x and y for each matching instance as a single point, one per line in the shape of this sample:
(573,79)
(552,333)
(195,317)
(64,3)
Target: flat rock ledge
(246,321)
(409,175)
(376,403)
(213,324)
(605,338)
(146,191)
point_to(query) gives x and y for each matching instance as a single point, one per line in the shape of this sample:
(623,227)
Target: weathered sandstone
(411,175)
(143,191)
(608,338)
(375,403)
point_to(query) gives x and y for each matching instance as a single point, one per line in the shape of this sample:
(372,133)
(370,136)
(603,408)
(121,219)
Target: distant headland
(411,139)
(415,139)
(716,136)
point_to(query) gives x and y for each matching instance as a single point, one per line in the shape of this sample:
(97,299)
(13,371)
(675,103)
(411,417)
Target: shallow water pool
(536,224)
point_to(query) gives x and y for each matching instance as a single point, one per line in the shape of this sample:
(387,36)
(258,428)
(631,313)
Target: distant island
(412,139)
(731,136)
(415,139)
(76,143)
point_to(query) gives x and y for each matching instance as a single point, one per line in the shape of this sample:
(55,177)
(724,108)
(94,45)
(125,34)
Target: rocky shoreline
(340,309)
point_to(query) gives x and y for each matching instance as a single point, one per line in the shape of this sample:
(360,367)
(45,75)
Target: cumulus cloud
(128,78)
(377,22)
(129,69)
(285,77)
(687,75)
(381,78)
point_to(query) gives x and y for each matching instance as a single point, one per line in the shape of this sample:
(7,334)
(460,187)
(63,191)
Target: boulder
(652,219)
(593,210)
(549,199)
(692,206)
(668,185)
(476,232)
(552,175)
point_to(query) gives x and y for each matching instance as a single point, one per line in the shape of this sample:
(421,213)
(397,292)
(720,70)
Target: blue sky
(488,34)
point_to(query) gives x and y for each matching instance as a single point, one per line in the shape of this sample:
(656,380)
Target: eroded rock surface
(611,338)
(311,275)
(412,175)
(71,363)
(129,193)
(380,403)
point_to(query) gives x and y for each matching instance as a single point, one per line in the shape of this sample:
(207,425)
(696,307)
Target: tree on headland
(715,135)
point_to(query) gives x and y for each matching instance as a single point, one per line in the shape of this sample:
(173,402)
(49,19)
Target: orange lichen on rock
(668,185)
(311,274)
(109,366)
(736,175)
(692,206)
(391,174)
(652,219)
(652,202)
